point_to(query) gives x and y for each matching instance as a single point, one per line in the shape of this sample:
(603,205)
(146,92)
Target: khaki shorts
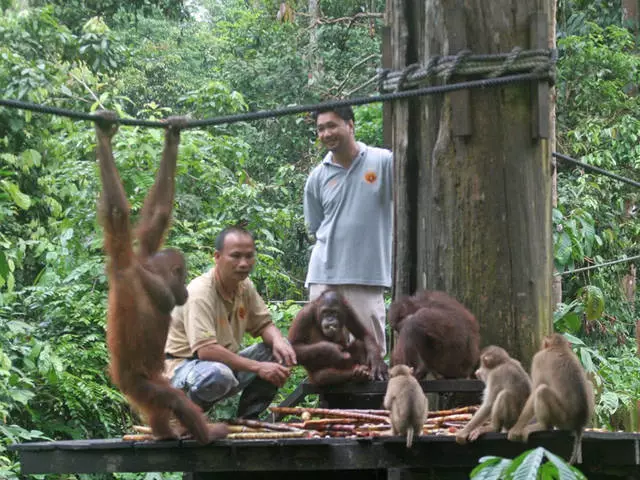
(368,303)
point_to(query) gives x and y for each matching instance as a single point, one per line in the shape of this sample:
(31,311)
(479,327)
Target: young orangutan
(144,286)
(320,337)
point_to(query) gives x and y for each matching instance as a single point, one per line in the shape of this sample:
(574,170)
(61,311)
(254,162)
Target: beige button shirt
(207,318)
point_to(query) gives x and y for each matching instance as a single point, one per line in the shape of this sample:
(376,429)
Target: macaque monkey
(407,403)
(562,395)
(507,387)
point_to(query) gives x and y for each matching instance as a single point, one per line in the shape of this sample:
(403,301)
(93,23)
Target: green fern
(526,466)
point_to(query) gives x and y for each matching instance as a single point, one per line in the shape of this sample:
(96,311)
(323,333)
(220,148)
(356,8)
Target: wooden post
(474,212)
(387,117)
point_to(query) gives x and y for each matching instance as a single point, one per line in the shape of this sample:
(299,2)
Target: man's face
(236,260)
(334,133)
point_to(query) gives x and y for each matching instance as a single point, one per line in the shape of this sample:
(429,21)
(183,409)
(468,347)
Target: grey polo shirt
(350,213)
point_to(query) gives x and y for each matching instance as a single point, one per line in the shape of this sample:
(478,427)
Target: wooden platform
(370,394)
(605,455)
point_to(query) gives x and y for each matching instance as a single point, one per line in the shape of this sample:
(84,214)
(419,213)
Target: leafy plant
(527,465)
(99,46)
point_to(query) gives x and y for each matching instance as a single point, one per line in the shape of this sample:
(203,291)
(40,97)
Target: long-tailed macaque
(562,395)
(507,387)
(406,402)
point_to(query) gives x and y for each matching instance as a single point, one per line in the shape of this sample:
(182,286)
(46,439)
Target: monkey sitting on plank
(507,387)
(562,395)
(406,402)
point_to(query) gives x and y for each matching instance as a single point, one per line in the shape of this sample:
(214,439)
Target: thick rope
(248,116)
(600,171)
(467,64)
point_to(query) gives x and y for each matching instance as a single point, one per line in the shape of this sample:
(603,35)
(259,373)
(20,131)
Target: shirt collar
(362,150)
(239,288)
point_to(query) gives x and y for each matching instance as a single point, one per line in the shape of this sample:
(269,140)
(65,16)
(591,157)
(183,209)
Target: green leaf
(21,396)
(593,299)
(4,266)
(31,158)
(530,463)
(563,249)
(490,468)
(571,322)
(565,471)
(20,199)
(587,360)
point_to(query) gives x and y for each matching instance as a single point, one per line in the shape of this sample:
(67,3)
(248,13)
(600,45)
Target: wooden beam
(539,89)
(601,452)
(377,388)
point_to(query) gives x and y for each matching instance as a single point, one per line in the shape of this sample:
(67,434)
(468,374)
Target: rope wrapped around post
(465,63)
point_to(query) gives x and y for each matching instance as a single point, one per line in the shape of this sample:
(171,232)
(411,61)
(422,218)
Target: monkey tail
(576,454)
(409,437)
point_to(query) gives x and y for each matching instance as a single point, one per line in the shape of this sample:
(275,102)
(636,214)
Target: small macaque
(507,387)
(406,402)
(562,395)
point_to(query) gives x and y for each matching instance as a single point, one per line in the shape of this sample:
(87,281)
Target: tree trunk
(315,60)
(630,15)
(556,280)
(473,194)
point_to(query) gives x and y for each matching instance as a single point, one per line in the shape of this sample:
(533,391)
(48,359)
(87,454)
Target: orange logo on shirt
(370,176)
(241,312)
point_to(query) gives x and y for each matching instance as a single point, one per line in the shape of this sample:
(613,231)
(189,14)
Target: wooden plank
(404,219)
(429,386)
(600,451)
(387,107)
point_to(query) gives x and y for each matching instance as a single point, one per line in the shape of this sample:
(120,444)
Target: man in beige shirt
(203,346)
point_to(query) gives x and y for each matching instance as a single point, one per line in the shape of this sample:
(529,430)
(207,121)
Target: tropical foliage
(148,59)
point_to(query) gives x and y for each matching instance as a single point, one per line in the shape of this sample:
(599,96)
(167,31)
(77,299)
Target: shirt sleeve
(199,324)
(313,214)
(259,315)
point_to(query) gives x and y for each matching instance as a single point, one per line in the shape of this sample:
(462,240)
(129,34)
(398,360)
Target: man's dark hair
(219,244)
(345,113)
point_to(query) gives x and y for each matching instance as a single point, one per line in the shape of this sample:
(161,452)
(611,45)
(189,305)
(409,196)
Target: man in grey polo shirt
(348,208)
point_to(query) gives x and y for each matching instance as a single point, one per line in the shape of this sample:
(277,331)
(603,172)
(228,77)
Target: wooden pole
(473,204)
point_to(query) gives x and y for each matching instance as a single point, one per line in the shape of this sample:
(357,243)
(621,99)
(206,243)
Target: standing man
(202,352)
(348,208)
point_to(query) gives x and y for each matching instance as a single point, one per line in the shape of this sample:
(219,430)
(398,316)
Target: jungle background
(151,58)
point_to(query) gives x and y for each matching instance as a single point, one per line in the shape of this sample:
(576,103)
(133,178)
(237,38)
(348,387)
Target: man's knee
(260,352)
(207,382)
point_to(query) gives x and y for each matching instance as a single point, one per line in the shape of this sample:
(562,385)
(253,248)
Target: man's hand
(273,373)
(283,352)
